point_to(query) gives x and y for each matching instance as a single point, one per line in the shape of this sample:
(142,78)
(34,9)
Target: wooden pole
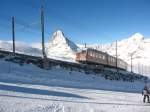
(13,34)
(45,60)
(42,30)
(116,56)
(131,64)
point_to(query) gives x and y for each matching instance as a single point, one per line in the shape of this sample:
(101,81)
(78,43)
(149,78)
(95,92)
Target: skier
(146,93)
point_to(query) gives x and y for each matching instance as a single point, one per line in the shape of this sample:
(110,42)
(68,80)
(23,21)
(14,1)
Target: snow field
(30,89)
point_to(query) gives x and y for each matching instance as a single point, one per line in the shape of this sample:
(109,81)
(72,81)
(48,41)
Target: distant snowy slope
(136,45)
(20,48)
(61,47)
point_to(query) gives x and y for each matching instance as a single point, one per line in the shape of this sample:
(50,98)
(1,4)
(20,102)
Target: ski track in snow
(31,89)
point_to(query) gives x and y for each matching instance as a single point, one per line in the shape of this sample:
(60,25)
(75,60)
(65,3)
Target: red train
(92,56)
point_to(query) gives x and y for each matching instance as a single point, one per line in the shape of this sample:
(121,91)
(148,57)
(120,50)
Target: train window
(97,55)
(120,62)
(90,53)
(103,57)
(93,54)
(109,59)
(113,59)
(83,51)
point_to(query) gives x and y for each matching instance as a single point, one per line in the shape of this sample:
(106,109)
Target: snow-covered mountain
(136,46)
(61,47)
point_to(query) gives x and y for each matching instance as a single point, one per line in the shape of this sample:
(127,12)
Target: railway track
(71,66)
(37,60)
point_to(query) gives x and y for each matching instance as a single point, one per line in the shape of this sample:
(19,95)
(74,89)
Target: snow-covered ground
(30,89)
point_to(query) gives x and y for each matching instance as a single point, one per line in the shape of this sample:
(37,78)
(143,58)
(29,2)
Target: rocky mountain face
(60,47)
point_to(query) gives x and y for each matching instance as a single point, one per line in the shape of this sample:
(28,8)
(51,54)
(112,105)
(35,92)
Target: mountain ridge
(61,48)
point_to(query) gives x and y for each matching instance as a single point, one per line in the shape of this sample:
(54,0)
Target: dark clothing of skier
(146,93)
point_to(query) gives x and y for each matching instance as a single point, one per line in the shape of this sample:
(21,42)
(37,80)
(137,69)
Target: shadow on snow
(38,91)
(116,89)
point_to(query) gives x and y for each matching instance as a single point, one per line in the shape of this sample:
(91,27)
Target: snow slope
(31,89)
(20,48)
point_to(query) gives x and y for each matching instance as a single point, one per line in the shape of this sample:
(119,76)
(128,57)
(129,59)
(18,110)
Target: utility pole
(13,41)
(45,61)
(42,30)
(138,68)
(131,63)
(116,56)
(13,34)
(85,45)
(142,69)
(131,58)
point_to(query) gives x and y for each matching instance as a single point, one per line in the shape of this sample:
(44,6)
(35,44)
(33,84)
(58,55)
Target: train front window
(97,56)
(90,53)
(103,57)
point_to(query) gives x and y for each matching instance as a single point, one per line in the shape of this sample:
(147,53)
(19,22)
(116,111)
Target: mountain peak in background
(58,36)
(137,37)
(60,47)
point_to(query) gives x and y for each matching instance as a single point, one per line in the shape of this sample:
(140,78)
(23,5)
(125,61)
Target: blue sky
(83,21)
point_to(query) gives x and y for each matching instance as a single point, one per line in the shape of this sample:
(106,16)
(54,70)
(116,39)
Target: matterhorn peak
(59,39)
(58,36)
(137,37)
(60,47)
(58,33)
